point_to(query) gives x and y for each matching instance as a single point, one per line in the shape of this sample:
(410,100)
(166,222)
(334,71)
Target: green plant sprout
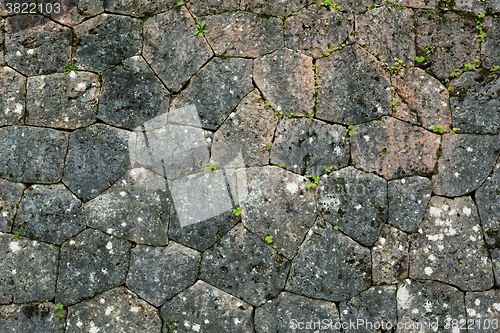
(329,169)
(495,68)
(394,5)
(210,167)
(269,240)
(479,26)
(312,184)
(58,309)
(394,102)
(350,133)
(201,29)
(17,234)
(419,59)
(282,165)
(329,4)
(69,68)
(234,171)
(269,145)
(182,3)
(397,66)
(336,227)
(437,129)
(237,211)
(454,130)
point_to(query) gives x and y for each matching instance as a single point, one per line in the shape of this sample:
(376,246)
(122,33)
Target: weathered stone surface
(483,307)
(465,163)
(278,204)
(157,274)
(431,303)
(10,196)
(425,96)
(451,49)
(354,87)
(402,111)
(27,270)
(429,4)
(449,246)
(490,49)
(35,45)
(356,6)
(97,157)
(242,34)
(329,265)
(286,80)
(252,270)
(50,213)
(210,7)
(75,11)
(172,49)
(12,91)
(308,146)
(247,131)
(217,89)
(275,7)
(408,198)
(203,308)
(316,29)
(32,154)
(2,41)
(354,201)
(487,198)
(377,304)
(33,318)
(62,102)
(495,260)
(478,6)
(390,257)
(136,208)
(283,314)
(139,8)
(389,33)
(117,310)
(393,148)
(91,263)
(106,40)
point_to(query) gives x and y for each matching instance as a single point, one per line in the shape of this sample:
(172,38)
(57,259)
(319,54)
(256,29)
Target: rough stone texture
(50,213)
(425,96)
(76,10)
(157,274)
(67,102)
(316,29)
(393,148)
(252,270)
(451,49)
(91,263)
(308,147)
(329,265)
(33,318)
(449,246)
(402,111)
(217,89)
(203,308)
(117,310)
(27,270)
(284,312)
(2,42)
(466,161)
(278,204)
(286,80)
(431,303)
(172,49)
(247,131)
(274,7)
(210,7)
(131,95)
(97,157)
(136,208)
(390,257)
(10,196)
(242,34)
(389,33)
(12,91)
(377,304)
(495,260)
(35,45)
(354,201)
(478,6)
(106,40)
(488,204)
(483,307)
(32,154)
(408,198)
(490,49)
(354,87)
(139,8)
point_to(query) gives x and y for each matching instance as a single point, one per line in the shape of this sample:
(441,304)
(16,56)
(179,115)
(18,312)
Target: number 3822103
(32,8)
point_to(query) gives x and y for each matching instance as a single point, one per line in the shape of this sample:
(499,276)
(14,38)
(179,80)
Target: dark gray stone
(35,45)
(131,95)
(157,274)
(449,246)
(478,6)
(2,41)
(354,201)
(490,49)
(75,11)
(308,147)
(465,163)
(488,204)
(495,261)
(139,8)
(97,157)
(33,318)
(483,307)
(117,310)
(289,312)
(210,7)
(390,260)
(10,196)
(217,89)
(354,87)
(91,263)
(106,40)
(275,8)
(375,305)
(408,198)
(203,308)
(286,79)
(357,6)
(330,265)
(12,96)
(49,213)
(27,270)
(172,49)
(62,102)
(32,154)
(252,270)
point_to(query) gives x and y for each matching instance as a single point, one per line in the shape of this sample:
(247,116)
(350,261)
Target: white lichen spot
(122,193)
(367,138)
(472,238)
(414,311)
(102,300)
(292,188)
(428,270)
(428,306)
(93,328)
(14,246)
(467,211)
(435,211)
(19,108)
(237,321)
(471,312)
(432,257)
(79,324)
(475,228)
(109,309)
(109,246)
(134,309)
(72,242)
(496,306)
(403,296)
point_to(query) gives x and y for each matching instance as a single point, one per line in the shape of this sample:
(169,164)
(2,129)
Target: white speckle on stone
(207,321)
(292,188)
(496,306)
(79,324)
(81,86)
(472,238)
(14,246)
(109,246)
(435,237)
(92,276)
(414,311)
(469,149)
(435,211)
(367,138)
(122,193)
(467,211)
(381,240)
(428,306)
(428,270)
(93,328)
(432,257)
(72,75)
(471,312)
(237,321)
(14,272)
(102,301)
(196,327)
(19,108)
(477,302)
(134,309)
(110,231)
(124,224)
(404,297)
(109,309)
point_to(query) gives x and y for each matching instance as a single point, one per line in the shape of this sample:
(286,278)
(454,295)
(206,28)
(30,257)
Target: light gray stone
(390,259)
(12,96)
